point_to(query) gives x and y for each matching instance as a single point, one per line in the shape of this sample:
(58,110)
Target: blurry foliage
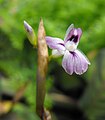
(93,101)
(18,58)
(57,15)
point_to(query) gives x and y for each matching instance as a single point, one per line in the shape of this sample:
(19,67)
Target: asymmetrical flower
(74,61)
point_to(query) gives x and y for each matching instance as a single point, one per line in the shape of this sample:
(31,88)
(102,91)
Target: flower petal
(81,62)
(68,31)
(55,43)
(68,62)
(79,52)
(56,53)
(79,32)
(74,35)
(70,46)
(77,64)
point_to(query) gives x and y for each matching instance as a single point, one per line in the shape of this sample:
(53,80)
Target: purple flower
(74,61)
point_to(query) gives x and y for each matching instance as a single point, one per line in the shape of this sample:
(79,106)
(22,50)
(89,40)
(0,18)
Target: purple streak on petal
(74,38)
(84,56)
(70,34)
(68,31)
(77,65)
(79,32)
(68,62)
(74,35)
(81,63)
(55,43)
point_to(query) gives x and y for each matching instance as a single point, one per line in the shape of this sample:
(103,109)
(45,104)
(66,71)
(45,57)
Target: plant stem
(41,71)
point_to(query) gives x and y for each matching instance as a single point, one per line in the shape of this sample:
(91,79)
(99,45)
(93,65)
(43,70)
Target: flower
(74,61)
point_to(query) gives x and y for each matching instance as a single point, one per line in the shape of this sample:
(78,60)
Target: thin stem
(41,71)
(0,90)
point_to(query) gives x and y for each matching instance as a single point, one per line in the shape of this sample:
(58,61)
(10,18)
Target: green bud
(30,34)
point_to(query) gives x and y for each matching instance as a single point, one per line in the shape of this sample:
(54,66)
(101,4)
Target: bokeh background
(68,97)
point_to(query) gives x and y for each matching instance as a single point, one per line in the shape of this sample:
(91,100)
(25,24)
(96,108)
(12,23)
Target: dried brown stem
(41,71)
(20,92)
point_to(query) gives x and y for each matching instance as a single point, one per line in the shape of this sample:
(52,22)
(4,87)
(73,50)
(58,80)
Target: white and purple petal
(79,32)
(79,52)
(70,46)
(55,43)
(56,53)
(77,64)
(68,62)
(73,35)
(68,31)
(81,62)
(76,35)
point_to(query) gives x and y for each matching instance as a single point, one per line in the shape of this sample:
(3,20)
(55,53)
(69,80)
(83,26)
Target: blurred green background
(84,96)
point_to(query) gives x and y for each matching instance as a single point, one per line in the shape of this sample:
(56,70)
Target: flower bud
(30,34)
